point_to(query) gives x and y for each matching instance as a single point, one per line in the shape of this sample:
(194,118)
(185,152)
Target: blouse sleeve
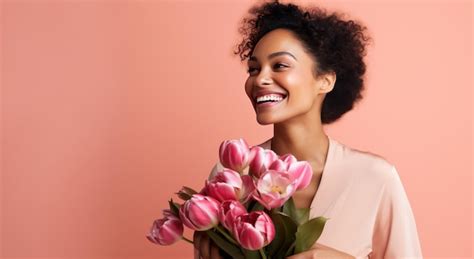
(395,234)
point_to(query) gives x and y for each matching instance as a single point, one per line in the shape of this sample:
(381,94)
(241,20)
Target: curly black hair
(337,45)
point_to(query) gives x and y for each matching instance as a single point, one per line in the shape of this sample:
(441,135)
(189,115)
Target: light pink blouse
(369,212)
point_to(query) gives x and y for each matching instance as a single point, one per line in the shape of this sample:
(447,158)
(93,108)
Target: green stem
(262,253)
(187,240)
(222,231)
(290,252)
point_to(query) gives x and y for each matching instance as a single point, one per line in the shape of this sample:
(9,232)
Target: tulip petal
(170,232)
(251,238)
(288,159)
(234,154)
(248,188)
(200,212)
(229,211)
(221,191)
(274,189)
(301,172)
(166,231)
(278,165)
(261,159)
(228,176)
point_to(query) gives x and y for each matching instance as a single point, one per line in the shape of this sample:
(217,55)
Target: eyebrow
(279,53)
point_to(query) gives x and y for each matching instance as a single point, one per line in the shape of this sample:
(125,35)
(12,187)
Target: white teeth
(271,97)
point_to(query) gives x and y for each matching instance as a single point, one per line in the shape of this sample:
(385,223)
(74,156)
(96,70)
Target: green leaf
(174,207)
(291,249)
(302,215)
(289,208)
(249,254)
(183,196)
(308,233)
(256,206)
(185,193)
(285,230)
(188,190)
(225,245)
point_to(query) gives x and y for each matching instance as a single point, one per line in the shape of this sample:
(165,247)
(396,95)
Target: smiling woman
(324,43)
(305,69)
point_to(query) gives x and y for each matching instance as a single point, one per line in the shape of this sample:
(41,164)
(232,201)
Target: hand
(204,247)
(321,251)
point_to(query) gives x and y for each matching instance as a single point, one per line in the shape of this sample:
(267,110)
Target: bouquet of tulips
(247,207)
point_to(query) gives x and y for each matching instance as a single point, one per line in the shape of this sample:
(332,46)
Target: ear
(327,81)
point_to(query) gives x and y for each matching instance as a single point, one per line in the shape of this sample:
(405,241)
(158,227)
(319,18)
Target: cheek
(248,87)
(299,88)
(292,82)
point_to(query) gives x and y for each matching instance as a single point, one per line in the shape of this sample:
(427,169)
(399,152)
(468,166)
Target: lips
(266,105)
(266,92)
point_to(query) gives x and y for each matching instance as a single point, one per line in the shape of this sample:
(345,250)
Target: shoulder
(365,165)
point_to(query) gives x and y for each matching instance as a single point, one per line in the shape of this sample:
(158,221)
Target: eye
(279,65)
(250,70)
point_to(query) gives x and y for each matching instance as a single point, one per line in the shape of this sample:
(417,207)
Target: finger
(204,247)
(303,255)
(215,252)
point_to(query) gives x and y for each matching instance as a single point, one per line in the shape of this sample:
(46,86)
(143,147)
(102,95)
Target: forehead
(279,40)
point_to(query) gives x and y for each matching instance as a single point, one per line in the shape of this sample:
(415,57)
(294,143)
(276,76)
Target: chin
(266,120)
(263,121)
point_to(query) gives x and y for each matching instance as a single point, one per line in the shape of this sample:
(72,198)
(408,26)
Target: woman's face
(280,65)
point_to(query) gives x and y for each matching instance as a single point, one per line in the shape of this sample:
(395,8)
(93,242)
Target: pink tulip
(230,185)
(274,188)
(288,158)
(254,230)
(299,171)
(234,154)
(229,210)
(200,212)
(260,160)
(166,231)
(203,191)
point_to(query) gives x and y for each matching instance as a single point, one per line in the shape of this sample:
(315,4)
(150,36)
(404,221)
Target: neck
(305,143)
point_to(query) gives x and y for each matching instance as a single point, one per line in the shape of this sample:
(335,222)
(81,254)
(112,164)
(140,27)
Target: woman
(306,69)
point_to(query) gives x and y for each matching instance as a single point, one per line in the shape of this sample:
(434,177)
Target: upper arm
(395,234)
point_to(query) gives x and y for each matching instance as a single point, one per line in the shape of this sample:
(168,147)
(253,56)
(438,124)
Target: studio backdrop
(109,107)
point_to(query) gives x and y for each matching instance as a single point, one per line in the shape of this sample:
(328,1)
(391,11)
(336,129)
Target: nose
(263,78)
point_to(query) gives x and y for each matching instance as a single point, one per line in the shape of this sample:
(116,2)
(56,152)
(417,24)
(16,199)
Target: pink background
(104,101)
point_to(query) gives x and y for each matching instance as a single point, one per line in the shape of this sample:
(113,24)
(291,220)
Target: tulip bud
(228,212)
(230,185)
(200,212)
(260,160)
(254,230)
(274,189)
(166,231)
(234,154)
